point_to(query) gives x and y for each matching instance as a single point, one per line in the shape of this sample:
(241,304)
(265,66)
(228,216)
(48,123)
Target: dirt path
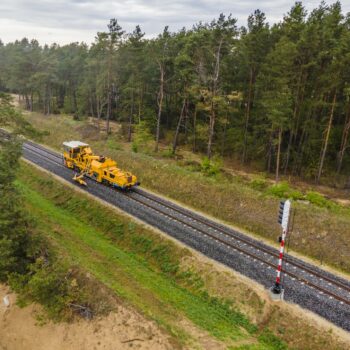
(123,329)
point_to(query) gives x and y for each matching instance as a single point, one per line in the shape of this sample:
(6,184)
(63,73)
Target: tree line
(276,96)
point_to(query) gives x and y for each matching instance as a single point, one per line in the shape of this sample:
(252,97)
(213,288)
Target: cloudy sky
(64,21)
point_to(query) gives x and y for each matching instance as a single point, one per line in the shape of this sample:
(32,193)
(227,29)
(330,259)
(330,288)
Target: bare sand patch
(122,329)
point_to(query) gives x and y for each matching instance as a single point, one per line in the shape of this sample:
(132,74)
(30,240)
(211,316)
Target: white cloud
(64,21)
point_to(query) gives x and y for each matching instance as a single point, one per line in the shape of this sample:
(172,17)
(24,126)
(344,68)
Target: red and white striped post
(283,219)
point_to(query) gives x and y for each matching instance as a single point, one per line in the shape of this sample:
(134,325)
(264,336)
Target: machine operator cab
(73,150)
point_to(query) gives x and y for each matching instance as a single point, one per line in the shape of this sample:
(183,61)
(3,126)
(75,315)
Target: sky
(65,21)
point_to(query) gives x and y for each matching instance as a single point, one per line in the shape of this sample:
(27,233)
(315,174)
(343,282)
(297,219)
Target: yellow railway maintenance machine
(78,156)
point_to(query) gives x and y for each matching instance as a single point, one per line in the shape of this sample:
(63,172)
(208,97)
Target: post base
(276,294)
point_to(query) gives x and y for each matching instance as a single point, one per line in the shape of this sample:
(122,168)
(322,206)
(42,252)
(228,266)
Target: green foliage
(14,224)
(319,200)
(8,258)
(113,144)
(50,283)
(134,147)
(142,138)
(168,153)
(23,255)
(258,184)
(47,285)
(211,167)
(12,118)
(274,343)
(283,190)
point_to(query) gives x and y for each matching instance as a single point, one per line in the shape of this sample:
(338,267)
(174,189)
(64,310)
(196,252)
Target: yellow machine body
(80,179)
(79,156)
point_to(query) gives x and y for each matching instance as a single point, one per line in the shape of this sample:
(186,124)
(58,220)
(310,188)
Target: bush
(268,338)
(142,138)
(283,190)
(134,147)
(258,184)
(49,284)
(113,144)
(296,195)
(168,153)
(211,167)
(319,200)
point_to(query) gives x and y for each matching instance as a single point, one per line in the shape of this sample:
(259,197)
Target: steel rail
(228,244)
(211,225)
(219,228)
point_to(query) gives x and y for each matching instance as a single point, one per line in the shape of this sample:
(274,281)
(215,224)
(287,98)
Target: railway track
(337,289)
(305,284)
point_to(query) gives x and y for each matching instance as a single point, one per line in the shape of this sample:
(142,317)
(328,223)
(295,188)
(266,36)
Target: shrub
(283,190)
(258,184)
(319,200)
(296,195)
(142,138)
(50,285)
(211,167)
(168,153)
(113,144)
(268,338)
(134,147)
(192,165)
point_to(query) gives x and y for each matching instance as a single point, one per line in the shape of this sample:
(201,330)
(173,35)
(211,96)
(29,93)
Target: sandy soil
(123,329)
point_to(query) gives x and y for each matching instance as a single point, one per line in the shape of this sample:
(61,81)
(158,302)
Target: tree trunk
(328,130)
(100,107)
(75,104)
(278,154)
(109,97)
(98,111)
(160,103)
(91,105)
(294,128)
(140,102)
(211,130)
(179,125)
(212,106)
(109,107)
(247,115)
(344,141)
(300,149)
(224,136)
(27,102)
(194,128)
(31,101)
(269,154)
(131,115)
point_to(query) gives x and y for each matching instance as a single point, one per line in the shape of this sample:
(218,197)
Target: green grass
(107,248)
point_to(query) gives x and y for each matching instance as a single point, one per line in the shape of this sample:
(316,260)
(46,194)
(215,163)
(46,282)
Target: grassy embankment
(154,275)
(321,229)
